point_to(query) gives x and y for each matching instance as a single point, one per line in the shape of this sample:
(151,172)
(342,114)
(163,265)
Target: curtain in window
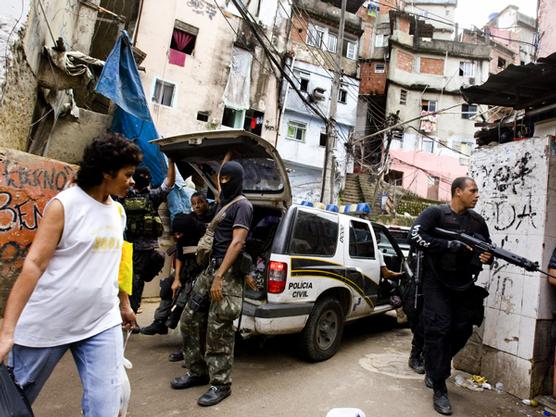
(182,40)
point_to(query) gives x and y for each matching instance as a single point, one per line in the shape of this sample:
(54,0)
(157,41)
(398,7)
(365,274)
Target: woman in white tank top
(66,296)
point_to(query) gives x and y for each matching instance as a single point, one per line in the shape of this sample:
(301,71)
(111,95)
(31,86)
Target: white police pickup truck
(315,269)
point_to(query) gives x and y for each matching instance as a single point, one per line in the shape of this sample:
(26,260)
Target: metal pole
(328,174)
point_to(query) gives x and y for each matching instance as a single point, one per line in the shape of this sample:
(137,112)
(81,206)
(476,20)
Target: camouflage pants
(218,322)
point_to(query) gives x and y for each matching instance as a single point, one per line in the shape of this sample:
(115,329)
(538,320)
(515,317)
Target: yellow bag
(125,276)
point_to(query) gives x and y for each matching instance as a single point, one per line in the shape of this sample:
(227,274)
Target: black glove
(456,246)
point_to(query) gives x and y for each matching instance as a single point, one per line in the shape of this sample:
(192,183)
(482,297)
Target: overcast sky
(476,12)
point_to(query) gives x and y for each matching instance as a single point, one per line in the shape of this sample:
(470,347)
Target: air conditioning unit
(471,80)
(318,94)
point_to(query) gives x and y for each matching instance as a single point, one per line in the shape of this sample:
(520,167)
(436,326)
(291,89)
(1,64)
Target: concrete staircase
(351,194)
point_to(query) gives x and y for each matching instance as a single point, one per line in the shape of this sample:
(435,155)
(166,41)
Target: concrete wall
(546,13)
(517,184)
(27,183)
(201,82)
(69,20)
(450,126)
(406,67)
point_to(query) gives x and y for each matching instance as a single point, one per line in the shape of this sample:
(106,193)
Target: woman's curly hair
(106,155)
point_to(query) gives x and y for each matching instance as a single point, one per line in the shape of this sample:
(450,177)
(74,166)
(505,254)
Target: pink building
(425,174)
(547,30)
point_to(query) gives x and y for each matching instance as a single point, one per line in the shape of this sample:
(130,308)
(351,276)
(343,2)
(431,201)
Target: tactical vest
(143,220)
(458,270)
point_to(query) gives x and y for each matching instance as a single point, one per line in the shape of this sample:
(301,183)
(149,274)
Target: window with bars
(403,96)
(164,93)
(380,68)
(315,36)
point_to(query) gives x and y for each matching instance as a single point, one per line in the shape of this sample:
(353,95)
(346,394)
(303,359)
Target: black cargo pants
(448,324)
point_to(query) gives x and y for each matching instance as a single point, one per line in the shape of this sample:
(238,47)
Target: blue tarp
(120,82)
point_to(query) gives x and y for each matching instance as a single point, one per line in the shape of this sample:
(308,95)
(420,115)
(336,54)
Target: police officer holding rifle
(452,303)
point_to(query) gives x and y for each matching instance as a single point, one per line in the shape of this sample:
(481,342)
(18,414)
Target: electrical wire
(7,48)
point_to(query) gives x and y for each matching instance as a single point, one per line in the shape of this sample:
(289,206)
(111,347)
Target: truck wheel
(323,332)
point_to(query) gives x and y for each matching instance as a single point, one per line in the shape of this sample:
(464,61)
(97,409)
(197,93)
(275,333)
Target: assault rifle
(480,246)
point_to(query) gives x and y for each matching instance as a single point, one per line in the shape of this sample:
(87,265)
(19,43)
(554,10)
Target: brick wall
(432,66)
(371,81)
(27,183)
(299,29)
(404,61)
(404,24)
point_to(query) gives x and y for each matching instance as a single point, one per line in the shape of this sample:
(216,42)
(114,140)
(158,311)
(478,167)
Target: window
(254,121)
(403,96)
(351,50)
(379,68)
(501,63)
(322,139)
(427,145)
(391,257)
(381,41)
(182,43)
(296,130)
(433,185)
(361,244)
(203,116)
(304,84)
(314,234)
(342,96)
(466,69)
(233,118)
(428,105)
(163,93)
(468,111)
(332,44)
(315,36)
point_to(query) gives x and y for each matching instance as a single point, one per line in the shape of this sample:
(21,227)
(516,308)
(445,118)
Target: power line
(270,56)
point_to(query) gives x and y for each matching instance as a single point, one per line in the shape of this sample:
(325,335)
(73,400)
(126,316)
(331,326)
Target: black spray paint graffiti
(19,176)
(506,178)
(23,216)
(506,215)
(201,7)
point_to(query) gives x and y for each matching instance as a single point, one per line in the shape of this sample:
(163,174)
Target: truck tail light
(277,274)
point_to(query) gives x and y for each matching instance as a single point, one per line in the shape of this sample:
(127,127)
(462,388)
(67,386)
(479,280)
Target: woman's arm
(41,251)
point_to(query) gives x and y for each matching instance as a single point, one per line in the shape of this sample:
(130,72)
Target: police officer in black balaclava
(230,181)
(222,282)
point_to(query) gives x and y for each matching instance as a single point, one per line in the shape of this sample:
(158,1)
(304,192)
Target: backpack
(142,218)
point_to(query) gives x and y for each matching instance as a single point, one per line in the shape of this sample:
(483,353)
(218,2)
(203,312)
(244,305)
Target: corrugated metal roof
(518,86)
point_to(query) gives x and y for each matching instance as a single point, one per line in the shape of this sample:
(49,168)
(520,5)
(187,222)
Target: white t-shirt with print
(77,295)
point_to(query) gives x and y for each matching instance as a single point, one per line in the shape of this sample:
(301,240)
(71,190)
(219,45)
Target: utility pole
(328,172)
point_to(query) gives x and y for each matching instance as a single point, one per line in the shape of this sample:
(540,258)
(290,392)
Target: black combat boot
(214,395)
(176,356)
(440,400)
(416,361)
(188,381)
(156,327)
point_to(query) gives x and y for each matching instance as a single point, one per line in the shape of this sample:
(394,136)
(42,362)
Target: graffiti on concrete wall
(27,183)
(202,8)
(512,186)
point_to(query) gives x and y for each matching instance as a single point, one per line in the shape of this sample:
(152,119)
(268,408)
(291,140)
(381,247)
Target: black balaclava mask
(142,178)
(191,228)
(234,186)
